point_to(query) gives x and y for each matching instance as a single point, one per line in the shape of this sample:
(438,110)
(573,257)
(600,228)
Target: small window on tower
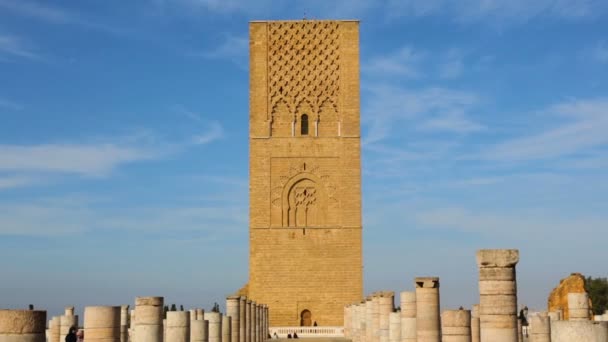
(304,125)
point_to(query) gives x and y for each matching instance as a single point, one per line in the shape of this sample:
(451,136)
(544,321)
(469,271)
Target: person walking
(71,336)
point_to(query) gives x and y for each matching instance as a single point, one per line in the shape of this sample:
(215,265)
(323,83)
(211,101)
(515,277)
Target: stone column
(394,331)
(386,304)
(375,317)
(408,316)
(498,294)
(456,326)
(540,325)
(578,306)
(226,328)
(22,325)
(198,330)
(248,321)
(124,323)
(102,323)
(149,312)
(347,322)
(266,327)
(520,331)
(232,311)
(54,329)
(369,318)
(215,326)
(242,318)
(475,323)
(178,326)
(67,321)
(362,333)
(254,321)
(428,328)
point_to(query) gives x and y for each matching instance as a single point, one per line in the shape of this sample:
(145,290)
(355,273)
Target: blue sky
(124,148)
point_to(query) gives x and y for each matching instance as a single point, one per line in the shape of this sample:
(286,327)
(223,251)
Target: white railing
(282,332)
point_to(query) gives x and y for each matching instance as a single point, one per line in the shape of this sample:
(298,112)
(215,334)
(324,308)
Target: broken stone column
(386,306)
(66,322)
(242,318)
(254,322)
(408,316)
(232,311)
(540,328)
(54,329)
(369,317)
(498,294)
(579,331)
(578,306)
(226,328)
(215,326)
(428,328)
(22,325)
(475,324)
(149,312)
(248,321)
(124,323)
(456,326)
(102,323)
(375,317)
(394,331)
(199,330)
(177,326)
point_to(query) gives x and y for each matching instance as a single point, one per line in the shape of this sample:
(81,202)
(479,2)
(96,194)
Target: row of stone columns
(59,326)
(249,320)
(493,320)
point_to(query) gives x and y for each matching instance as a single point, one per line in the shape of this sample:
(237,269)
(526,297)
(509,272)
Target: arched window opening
(304,125)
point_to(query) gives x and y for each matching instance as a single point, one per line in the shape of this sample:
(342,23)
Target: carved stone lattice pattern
(303,66)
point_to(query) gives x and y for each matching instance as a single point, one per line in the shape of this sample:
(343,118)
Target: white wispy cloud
(535,226)
(82,159)
(498,12)
(13,46)
(213,132)
(232,48)
(4,103)
(401,63)
(600,52)
(9,182)
(35,10)
(388,105)
(585,128)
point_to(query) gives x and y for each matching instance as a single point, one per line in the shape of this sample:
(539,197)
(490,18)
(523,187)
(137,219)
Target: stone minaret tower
(305,170)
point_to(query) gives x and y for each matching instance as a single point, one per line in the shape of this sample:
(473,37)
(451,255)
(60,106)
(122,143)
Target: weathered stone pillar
(55,329)
(242,318)
(579,331)
(215,326)
(475,324)
(498,294)
(248,321)
(578,306)
(22,325)
(362,321)
(178,326)
(555,316)
(375,318)
(541,328)
(66,322)
(456,326)
(199,330)
(124,323)
(102,323)
(254,322)
(428,328)
(386,305)
(232,311)
(149,312)
(226,328)
(408,316)
(394,331)
(520,331)
(347,321)
(369,318)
